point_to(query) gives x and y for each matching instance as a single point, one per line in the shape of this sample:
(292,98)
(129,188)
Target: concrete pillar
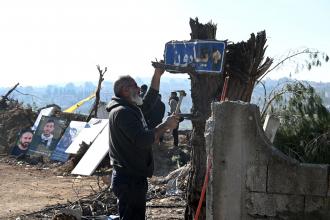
(228,133)
(271,125)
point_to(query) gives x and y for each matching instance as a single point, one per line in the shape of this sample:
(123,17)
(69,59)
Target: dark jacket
(156,115)
(130,140)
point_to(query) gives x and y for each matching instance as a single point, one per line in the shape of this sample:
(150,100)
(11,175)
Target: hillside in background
(69,94)
(323,89)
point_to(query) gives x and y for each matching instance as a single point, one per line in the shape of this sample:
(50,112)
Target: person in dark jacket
(130,143)
(156,115)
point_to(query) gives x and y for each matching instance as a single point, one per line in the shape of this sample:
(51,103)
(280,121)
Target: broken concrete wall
(250,179)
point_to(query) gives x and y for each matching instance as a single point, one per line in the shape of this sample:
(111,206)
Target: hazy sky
(47,42)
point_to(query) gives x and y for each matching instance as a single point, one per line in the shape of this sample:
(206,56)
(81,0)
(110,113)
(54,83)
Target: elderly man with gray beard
(131,141)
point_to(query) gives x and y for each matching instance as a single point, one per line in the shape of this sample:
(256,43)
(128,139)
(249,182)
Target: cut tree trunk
(242,65)
(205,88)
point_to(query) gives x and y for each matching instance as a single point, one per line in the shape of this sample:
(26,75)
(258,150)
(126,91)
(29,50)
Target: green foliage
(305,124)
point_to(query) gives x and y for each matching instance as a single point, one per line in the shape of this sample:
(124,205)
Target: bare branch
(27,94)
(306,51)
(93,112)
(275,96)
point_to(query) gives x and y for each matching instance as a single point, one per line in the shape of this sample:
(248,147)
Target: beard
(25,145)
(135,98)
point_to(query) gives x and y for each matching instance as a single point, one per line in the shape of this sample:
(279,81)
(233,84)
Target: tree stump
(243,66)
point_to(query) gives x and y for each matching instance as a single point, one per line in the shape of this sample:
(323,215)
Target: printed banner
(47,135)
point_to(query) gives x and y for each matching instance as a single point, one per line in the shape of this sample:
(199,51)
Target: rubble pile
(166,189)
(163,196)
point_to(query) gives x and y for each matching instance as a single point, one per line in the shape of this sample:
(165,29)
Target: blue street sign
(203,56)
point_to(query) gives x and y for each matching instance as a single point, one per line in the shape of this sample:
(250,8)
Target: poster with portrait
(24,139)
(202,55)
(47,135)
(69,135)
(44,112)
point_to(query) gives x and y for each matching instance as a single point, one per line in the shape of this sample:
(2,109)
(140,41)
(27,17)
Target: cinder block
(315,203)
(301,179)
(271,205)
(317,208)
(256,178)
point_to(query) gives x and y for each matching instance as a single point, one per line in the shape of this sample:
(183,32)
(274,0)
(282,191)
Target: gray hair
(120,83)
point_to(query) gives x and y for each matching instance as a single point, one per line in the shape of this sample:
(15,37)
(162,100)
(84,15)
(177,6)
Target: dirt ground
(25,189)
